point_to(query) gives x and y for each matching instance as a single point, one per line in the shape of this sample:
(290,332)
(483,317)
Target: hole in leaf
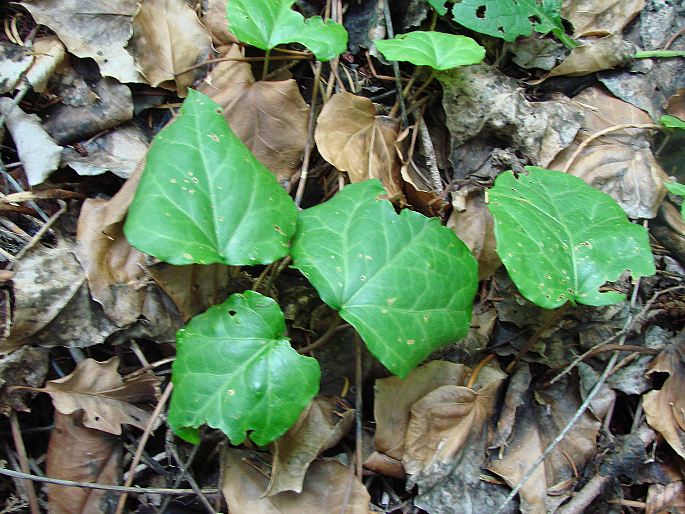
(231,312)
(480,12)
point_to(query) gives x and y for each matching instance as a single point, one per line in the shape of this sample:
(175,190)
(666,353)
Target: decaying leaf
(620,163)
(214,18)
(595,55)
(665,407)
(167,39)
(14,60)
(328,487)
(320,426)
(24,367)
(676,104)
(269,117)
(49,55)
(666,498)
(99,29)
(354,139)
(600,17)
(107,401)
(83,455)
(37,151)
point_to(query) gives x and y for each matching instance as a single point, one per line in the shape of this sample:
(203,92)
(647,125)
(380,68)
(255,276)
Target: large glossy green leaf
(235,370)
(268,23)
(405,282)
(439,6)
(561,240)
(435,49)
(204,198)
(509,19)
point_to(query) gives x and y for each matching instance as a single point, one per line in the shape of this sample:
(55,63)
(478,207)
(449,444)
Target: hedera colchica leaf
(404,282)
(672,122)
(509,19)
(268,23)
(204,198)
(439,6)
(435,49)
(236,371)
(561,240)
(678,190)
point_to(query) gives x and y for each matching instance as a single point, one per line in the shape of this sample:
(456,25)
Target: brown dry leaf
(83,455)
(321,426)
(354,139)
(600,17)
(621,163)
(328,487)
(445,420)
(595,55)
(676,104)
(269,117)
(107,401)
(472,222)
(38,152)
(49,55)
(666,498)
(99,29)
(167,39)
(25,367)
(665,407)
(539,417)
(214,18)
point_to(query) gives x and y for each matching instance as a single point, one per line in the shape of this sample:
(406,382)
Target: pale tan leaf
(49,55)
(600,17)
(665,407)
(107,401)
(595,55)
(620,163)
(83,455)
(37,151)
(99,29)
(320,426)
(354,139)
(328,487)
(676,104)
(14,61)
(168,38)
(269,117)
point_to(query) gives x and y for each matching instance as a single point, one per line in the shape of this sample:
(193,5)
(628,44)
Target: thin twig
(41,232)
(358,406)
(581,410)
(333,328)
(104,487)
(184,471)
(431,159)
(23,462)
(395,65)
(141,445)
(308,57)
(603,132)
(191,480)
(310,136)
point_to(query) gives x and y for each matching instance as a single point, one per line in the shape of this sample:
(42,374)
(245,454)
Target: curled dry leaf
(269,117)
(354,139)
(620,163)
(99,29)
(328,487)
(595,55)
(37,151)
(167,39)
(676,104)
(320,426)
(49,55)
(664,407)
(83,455)
(600,17)
(107,401)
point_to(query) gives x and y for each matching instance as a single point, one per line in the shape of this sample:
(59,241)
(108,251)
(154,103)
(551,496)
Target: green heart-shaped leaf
(204,198)
(435,49)
(561,240)
(268,23)
(405,282)
(669,121)
(236,371)
(678,190)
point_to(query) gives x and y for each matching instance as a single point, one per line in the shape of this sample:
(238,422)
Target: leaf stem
(310,136)
(330,331)
(265,69)
(395,65)
(663,54)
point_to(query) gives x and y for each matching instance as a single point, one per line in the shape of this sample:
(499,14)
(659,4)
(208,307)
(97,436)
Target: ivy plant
(678,190)
(561,239)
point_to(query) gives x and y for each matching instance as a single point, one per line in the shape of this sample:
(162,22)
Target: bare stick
(327,335)
(431,159)
(358,405)
(395,65)
(310,136)
(23,462)
(141,445)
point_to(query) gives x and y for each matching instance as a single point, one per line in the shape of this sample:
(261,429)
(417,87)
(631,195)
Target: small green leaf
(204,198)
(268,23)
(676,189)
(435,49)
(236,371)
(404,282)
(669,121)
(561,240)
(509,19)
(439,6)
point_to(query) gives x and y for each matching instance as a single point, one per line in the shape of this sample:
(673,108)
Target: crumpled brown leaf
(106,399)
(600,17)
(99,29)
(666,498)
(664,407)
(83,455)
(167,39)
(676,104)
(620,163)
(320,426)
(354,139)
(269,117)
(328,487)
(214,18)
(595,55)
